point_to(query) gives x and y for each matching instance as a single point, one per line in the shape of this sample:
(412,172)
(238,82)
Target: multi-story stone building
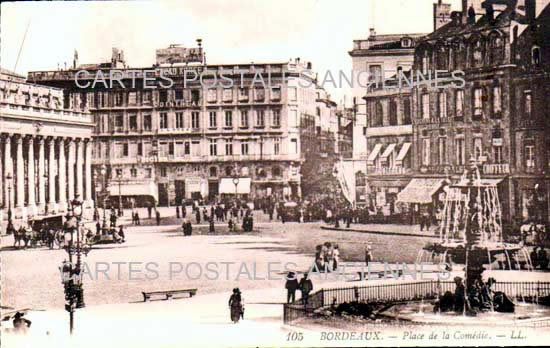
(45,150)
(189,140)
(499,116)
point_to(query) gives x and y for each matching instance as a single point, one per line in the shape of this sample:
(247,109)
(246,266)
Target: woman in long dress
(235,304)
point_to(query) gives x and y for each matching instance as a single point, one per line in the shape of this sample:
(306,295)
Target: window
(379,118)
(213,147)
(140,149)
(243,93)
(459,104)
(163,96)
(148,173)
(460,151)
(276,171)
(179,120)
(478,148)
(132,98)
(213,172)
(147,124)
(195,96)
(213,119)
(133,122)
(163,172)
(426,151)
(393,113)
(425,106)
(171,148)
(406,111)
(187,148)
(179,94)
(244,119)
(375,73)
(229,147)
(259,94)
(119,99)
(276,93)
(535,55)
(477,55)
(196,148)
(244,147)
(292,94)
(442,150)
(146,97)
(497,102)
(179,149)
(125,149)
(442,105)
(527,103)
(497,154)
(195,121)
(227,95)
(294,145)
(260,118)
(119,173)
(276,146)
(133,172)
(478,104)
(229,118)
(163,120)
(276,118)
(529,152)
(119,122)
(212,95)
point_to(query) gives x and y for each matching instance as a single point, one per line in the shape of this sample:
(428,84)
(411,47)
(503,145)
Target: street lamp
(119,177)
(236,183)
(71,276)
(103,172)
(10,227)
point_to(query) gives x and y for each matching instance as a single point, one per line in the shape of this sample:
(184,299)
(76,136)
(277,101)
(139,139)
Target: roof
(8,74)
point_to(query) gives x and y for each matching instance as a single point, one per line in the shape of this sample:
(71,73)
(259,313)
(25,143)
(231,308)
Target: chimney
(530,10)
(442,14)
(372,32)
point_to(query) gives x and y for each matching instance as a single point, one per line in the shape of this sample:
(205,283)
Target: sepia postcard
(274,173)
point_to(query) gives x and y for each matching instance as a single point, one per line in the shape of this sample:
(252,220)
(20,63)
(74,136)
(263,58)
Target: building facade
(45,150)
(497,117)
(190,141)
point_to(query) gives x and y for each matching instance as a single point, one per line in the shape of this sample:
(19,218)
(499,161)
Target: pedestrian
(98,228)
(543,258)
(138,222)
(183,211)
(212,230)
(121,234)
(20,324)
(230,224)
(335,257)
(291,286)
(235,305)
(368,255)
(157,216)
(177,211)
(198,216)
(305,286)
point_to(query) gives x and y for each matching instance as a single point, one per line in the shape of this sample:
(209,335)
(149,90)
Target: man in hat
(20,324)
(291,286)
(306,286)
(459,295)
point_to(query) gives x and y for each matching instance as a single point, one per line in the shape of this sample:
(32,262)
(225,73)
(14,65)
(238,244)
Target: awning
(228,186)
(374,153)
(419,191)
(387,152)
(147,189)
(402,153)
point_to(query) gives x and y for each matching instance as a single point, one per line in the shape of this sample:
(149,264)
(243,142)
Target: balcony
(494,169)
(388,170)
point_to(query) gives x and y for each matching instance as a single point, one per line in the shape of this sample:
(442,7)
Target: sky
(233,31)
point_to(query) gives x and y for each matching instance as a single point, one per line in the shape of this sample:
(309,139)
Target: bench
(168,294)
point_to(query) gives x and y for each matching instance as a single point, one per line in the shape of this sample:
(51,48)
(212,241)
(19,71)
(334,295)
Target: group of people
(327,256)
(304,285)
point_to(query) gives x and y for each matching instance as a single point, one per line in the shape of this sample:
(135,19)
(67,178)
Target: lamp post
(119,177)
(236,183)
(71,276)
(9,228)
(103,172)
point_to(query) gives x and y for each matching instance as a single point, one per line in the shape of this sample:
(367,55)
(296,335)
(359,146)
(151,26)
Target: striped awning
(402,153)
(143,189)
(374,153)
(387,152)
(420,190)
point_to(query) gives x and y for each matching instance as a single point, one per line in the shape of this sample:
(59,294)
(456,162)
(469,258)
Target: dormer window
(406,42)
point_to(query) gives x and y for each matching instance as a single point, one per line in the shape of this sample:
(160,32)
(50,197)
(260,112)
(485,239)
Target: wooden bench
(168,293)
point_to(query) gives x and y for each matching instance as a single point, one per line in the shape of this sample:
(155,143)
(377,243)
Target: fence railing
(400,292)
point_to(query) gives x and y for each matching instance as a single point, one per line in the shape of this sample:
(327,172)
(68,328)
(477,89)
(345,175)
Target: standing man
(177,211)
(291,286)
(306,286)
(368,255)
(149,210)
(157,213)
(198,215)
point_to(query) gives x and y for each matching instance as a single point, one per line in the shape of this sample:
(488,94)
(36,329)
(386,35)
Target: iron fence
(389,293)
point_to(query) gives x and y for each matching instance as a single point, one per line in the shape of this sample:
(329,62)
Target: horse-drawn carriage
(40,231)
(107,235)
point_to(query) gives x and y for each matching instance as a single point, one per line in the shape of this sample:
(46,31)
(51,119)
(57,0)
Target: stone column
(70,171)
(88,172)
(41,179)
(20,202)
(51,177)
(79,168)
(62,176)
(31,185)
(9,192)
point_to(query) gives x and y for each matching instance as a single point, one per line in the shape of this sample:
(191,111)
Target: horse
(20,235)
(536,232)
